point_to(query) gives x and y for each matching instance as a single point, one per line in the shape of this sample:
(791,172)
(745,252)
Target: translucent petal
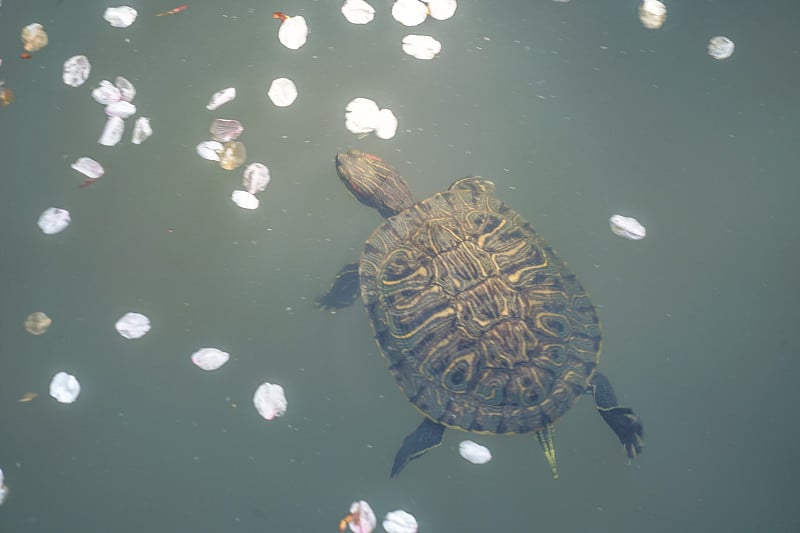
(210,358)
(652,14)
(133,325)
(270,400)
(282,92)
(54,220)
(474,452)
(37,323)
(627,227)
(33,37)
(362,517)
(256,178)
(88,167)
(225,130)
(65,388)
(76,70)
(120,17)
(720,47)
(233,155)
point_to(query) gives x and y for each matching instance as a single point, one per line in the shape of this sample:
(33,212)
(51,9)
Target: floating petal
(65,388)
(361,115)
(358,11)
(112,132)
(387,124)
(126,89)
(88,167)
(652,14)
(400,522)
(225,130)
(121,109)
(141,130)
(3,488)
(210,150)
(474,452)
(282,92)
(293,32)
(627,227)
(442,9)
(34,37)
(421,46)
(256,178)
(245,200)
(270,400)
(210,358)
(409,12)
(106,93)
(120,17)
(221,97)
(37,323)
(720,47)
(54,220)
(233,155)
(76,70)
(133,325)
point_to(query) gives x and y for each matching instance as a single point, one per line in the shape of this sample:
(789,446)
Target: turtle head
(374,182)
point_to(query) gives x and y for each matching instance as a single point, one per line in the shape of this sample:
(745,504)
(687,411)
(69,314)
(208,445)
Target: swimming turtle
(484,327)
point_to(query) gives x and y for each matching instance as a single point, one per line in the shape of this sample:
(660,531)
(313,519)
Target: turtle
(483,325)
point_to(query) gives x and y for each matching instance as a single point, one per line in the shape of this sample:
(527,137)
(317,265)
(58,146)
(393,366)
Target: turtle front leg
(622,420)
(428,435)
(343,292)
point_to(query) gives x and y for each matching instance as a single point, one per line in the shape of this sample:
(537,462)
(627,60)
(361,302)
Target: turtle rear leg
(622,420)
(344,290)
(428,435)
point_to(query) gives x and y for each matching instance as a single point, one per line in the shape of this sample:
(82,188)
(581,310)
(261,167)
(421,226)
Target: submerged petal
(627,227)
(361,519)
(106,93)
(652,14)
(225,130)
(76,70)
(133,325)
(232,156)
(88,167)
(210,358)
(33,37)
(65,388)
(720,47)
(270,400)
(126,89)
(474,452)
(37,323)
(54,220)
(282,92)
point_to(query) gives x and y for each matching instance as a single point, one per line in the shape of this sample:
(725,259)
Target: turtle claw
(628,428)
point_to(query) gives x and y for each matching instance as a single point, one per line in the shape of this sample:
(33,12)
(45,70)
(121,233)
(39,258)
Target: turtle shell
(483,325)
